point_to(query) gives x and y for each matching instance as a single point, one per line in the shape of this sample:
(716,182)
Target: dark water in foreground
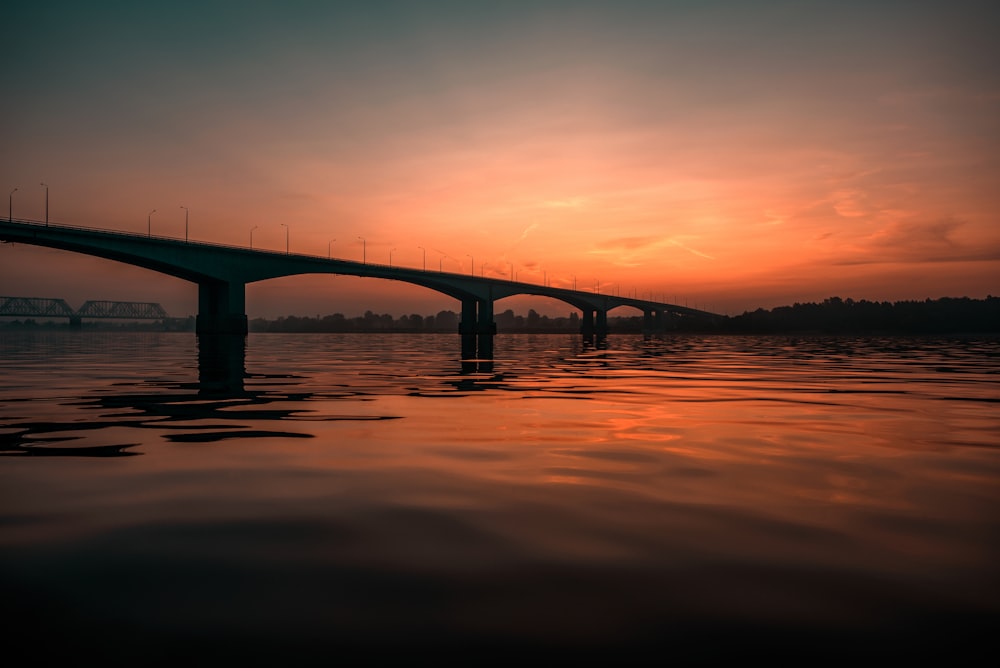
(809,498)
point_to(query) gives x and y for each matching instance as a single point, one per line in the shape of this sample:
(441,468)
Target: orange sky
(723,155)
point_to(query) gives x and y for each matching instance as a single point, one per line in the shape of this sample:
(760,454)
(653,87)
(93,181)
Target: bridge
(222,273)
(42,307)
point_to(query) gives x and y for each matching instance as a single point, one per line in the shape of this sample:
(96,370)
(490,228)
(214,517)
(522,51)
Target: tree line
(948,315)
(834,315)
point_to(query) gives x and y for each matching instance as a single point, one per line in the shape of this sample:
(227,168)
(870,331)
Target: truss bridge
(42,307)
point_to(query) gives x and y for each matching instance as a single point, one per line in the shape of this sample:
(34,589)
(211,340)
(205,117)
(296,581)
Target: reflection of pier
(221,364)
(42,307)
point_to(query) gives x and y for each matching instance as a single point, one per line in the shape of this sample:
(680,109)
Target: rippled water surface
(701,495)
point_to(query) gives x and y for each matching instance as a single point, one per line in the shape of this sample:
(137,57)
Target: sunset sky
(727,155)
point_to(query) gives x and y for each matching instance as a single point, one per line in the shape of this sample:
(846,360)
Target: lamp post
(472,264)
(251,235)
(286,237)
(149,225)
(10,205)
(511,270)
(545,278)
(328,243)
(425,256)
(574,282)
(46,205)
(186,212)
(364,250)
(390,258)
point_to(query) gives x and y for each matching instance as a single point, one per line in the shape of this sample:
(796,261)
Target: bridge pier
(221,308)
(486,329)
(467,329)
(221,364)
(653,322)
(477,329)
(594,324)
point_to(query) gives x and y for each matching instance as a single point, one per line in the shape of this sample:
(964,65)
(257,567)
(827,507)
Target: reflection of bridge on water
(222,273)
(43,307)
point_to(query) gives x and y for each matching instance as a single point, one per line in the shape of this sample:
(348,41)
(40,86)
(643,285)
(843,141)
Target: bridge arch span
(222,273)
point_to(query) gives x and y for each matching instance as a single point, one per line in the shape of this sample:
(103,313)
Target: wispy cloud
(679,244)
(628,250)
(566,203)
(918,242)
(528,230)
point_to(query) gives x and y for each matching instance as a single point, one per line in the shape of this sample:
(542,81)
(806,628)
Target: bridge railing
(207,244)
(213,244)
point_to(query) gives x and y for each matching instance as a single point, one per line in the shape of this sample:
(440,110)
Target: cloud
(631,243)
(675,242)
(905,235)
(918,242)
(629,249)
(528,230)
(567,203)
(850,203)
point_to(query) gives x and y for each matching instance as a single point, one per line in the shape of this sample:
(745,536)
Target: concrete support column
(647,322)
(587,323)
(477,328)
(601,328)
(486,329)
(221,308)
(467,329)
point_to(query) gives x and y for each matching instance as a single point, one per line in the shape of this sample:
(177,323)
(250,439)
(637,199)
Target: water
(703,496)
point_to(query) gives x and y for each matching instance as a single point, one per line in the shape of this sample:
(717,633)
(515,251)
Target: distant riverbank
(948,315)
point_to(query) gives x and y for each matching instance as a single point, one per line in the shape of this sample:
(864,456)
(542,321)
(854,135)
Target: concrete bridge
(222,273)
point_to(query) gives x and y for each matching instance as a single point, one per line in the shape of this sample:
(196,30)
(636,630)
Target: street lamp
(186,212)
(364,250)
(10,205)
(511,270)
(149,228)
(251,235)
(328,248)
(390,258)
(286,237)
(46,205)
(472,264)
(425,256)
